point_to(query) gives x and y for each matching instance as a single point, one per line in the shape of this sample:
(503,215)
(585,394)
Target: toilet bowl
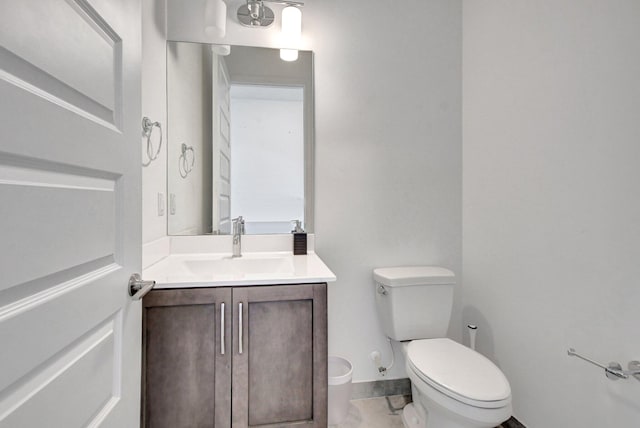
(453,386)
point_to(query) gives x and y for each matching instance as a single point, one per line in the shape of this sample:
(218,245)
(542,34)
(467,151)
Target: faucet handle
(238,225)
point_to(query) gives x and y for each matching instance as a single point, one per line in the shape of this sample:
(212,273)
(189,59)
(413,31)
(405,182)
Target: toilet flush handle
(381,290)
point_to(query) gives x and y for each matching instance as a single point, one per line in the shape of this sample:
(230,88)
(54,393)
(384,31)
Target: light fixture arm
(256,14)
(286,3)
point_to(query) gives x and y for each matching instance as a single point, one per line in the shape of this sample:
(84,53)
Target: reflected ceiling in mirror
(240,139)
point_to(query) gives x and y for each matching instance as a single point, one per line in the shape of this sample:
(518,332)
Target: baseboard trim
(513,423)
(381,388)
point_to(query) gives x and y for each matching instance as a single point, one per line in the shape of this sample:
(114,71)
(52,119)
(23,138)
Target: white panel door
(70,220)
(221,150)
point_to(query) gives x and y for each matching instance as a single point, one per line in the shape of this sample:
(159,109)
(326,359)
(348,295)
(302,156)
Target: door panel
(47,327)
(280,378)
(221,150)
(50,207)
(186,372)
(46,46)
(280,335)
(90,361)
(70,186)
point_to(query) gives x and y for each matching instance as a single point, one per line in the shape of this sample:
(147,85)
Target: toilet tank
(414,302)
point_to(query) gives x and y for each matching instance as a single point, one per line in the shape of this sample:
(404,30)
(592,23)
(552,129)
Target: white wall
(154,105)
(388,146)
(388,154)
(551,209)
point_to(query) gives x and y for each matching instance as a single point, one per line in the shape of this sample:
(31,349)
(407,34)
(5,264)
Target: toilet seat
(459,372)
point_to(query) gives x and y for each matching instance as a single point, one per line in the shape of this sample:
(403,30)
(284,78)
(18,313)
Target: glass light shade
(291,24)
(221,50)
(288,54)
(215,18)
(291,32)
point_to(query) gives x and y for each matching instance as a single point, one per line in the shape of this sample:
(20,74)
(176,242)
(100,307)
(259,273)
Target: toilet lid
(459,372)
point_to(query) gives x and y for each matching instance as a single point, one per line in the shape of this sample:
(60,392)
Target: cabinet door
(280,356)
(186,365)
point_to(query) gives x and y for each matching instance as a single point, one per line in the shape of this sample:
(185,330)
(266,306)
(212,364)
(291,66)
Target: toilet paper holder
(613,370)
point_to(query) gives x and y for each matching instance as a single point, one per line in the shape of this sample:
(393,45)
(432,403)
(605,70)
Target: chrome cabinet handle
(240,328)
(222,328)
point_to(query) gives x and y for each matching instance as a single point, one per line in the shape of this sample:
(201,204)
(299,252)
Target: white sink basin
(246,266)
(253,268)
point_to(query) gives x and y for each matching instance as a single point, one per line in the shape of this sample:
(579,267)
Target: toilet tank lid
(413,275)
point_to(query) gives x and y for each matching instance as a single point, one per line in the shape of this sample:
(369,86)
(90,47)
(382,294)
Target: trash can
(340,373)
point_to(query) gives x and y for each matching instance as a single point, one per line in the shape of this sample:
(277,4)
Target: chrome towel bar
(613,370)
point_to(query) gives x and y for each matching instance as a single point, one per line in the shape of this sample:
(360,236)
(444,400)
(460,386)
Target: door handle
(138,287)
(240,328)
(222,328)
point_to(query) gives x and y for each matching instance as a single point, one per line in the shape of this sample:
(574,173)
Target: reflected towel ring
(184,166)
(147,130)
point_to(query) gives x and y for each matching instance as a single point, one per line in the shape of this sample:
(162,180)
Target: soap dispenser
(299,239)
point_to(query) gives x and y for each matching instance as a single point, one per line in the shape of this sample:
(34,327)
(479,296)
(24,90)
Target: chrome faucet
(238,231)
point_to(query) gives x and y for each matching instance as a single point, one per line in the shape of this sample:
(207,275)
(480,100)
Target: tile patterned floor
(379,412)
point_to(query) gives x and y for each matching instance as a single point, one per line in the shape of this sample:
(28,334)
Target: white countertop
(187,270)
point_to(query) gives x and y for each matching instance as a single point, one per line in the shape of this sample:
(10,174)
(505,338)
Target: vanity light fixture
(257,15)
(215,18)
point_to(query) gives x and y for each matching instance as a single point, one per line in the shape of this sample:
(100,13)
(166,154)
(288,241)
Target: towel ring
(147,131)
(184,166)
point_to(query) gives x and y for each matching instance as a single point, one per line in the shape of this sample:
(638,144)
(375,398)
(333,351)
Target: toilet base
(410,417)
(431,409)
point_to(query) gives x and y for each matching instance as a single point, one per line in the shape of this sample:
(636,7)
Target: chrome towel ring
(147,131)
(184,166)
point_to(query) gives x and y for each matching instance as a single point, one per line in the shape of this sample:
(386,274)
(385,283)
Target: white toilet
(453,386)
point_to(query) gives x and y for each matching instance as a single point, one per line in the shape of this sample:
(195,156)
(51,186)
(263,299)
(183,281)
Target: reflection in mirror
(247,118)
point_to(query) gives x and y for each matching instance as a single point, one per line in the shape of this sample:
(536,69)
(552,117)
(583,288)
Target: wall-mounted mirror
(240,139)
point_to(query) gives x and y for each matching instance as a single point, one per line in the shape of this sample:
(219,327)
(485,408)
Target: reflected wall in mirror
(246,121)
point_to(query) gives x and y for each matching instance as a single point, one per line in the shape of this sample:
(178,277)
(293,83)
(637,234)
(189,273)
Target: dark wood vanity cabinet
(243,356)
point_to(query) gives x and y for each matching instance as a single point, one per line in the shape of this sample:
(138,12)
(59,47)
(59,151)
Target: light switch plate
(161,204)
(172,203)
